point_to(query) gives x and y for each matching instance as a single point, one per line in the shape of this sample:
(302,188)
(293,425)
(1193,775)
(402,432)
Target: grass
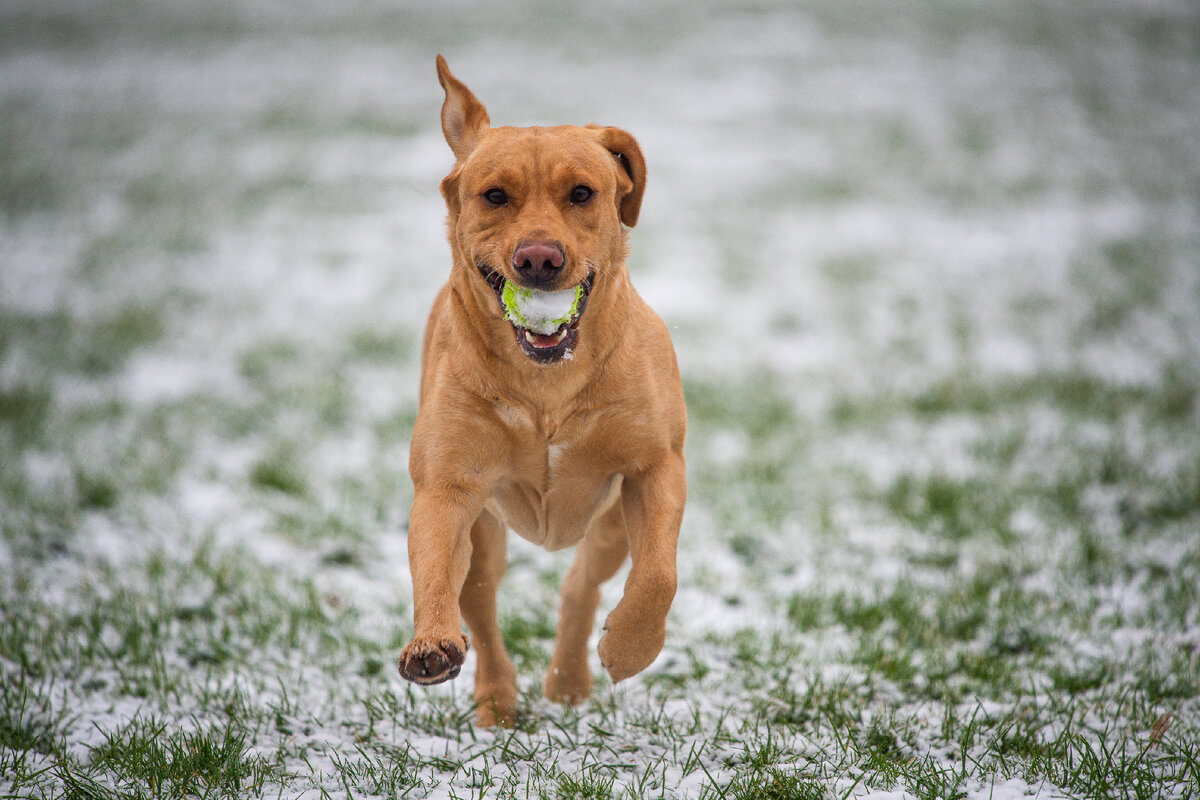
(939,346)
(155,760)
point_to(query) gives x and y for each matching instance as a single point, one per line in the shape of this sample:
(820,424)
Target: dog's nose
(538,262)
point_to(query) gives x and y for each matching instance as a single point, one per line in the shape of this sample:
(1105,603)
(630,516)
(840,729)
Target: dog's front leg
(439,555)
(636,629)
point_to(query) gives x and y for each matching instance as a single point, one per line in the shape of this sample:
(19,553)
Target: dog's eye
(581,194)
(495,197)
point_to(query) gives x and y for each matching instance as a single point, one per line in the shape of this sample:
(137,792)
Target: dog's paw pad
(428,663)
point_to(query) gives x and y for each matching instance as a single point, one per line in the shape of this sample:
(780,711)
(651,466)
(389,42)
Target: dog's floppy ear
(464,119)
(632,166)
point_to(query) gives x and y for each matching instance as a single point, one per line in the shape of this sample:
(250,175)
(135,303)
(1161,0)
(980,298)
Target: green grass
(156,760)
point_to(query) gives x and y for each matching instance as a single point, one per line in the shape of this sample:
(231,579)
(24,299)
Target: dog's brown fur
(586,449)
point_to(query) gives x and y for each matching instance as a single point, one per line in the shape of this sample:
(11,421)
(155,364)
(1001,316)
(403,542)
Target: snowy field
(933,274)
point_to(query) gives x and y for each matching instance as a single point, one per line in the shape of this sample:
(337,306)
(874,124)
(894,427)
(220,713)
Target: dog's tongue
(544,341)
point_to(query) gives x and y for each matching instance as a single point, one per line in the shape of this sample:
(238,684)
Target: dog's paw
(496,707)
(568,686)
(628,645)
(430,661)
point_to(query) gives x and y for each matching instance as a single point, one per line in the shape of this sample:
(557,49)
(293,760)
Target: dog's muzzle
(544,348)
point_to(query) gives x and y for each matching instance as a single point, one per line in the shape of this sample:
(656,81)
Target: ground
(933,274)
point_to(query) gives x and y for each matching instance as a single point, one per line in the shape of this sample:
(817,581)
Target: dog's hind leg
(600,555)
(495,675)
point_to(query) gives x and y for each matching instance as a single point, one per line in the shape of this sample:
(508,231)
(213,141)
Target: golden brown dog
(568,437)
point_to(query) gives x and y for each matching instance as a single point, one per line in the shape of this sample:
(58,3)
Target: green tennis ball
(540,312)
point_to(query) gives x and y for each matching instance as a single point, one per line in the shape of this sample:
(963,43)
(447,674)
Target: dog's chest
(555,487)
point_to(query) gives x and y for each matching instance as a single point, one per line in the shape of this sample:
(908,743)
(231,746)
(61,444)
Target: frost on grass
(931,274)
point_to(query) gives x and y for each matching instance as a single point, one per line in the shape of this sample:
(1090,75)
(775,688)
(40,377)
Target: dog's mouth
(546,324)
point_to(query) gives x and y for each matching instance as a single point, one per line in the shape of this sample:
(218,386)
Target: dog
(572,436)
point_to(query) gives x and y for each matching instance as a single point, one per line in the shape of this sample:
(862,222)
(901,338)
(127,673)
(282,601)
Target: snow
(541,312)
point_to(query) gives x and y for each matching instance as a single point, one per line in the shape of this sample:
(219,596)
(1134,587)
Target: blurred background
(830,182)
(225,215)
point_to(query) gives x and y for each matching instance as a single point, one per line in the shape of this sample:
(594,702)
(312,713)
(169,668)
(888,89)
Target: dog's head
(543,209)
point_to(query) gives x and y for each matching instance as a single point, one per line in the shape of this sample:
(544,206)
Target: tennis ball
(540,312)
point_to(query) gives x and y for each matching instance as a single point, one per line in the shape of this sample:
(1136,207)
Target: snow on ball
(540,312)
